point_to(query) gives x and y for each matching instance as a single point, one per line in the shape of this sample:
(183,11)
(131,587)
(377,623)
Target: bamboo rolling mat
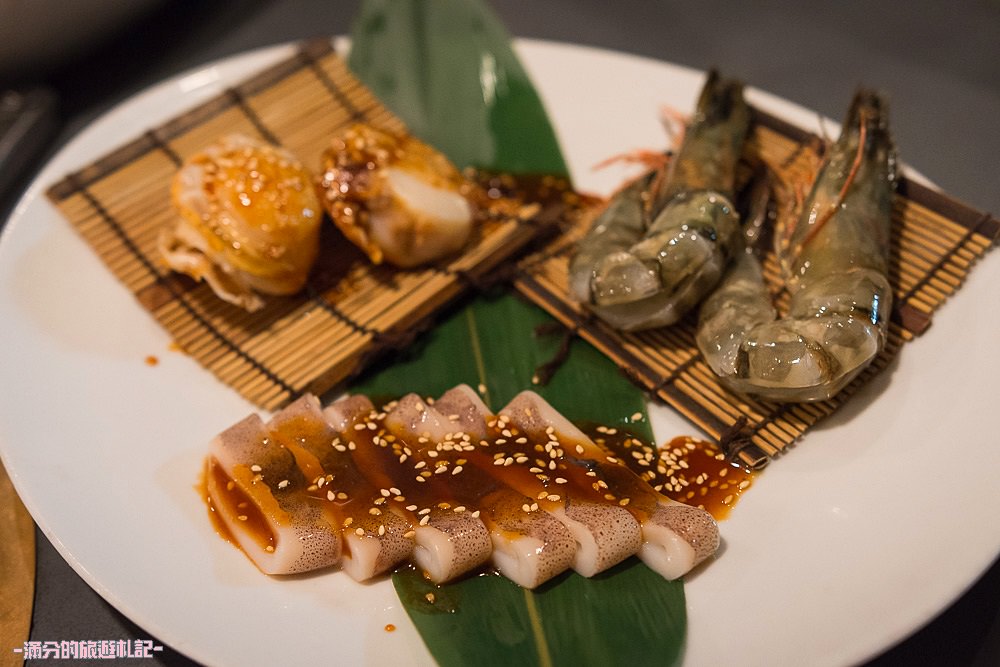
(350,310)
(936,241)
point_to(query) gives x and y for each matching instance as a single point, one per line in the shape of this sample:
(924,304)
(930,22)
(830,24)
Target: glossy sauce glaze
(686,469)
(369,479)
(223,494)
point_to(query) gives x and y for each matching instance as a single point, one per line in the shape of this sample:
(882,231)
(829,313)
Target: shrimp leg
(663,242)
(835,261)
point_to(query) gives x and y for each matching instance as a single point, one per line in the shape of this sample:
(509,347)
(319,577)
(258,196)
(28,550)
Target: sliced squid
(260,496)
(675,537)
(605,533)
(447,485)
(376,536)
(530,546)
(447,543)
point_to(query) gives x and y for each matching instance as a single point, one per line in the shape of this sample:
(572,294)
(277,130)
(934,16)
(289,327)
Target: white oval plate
(865,531)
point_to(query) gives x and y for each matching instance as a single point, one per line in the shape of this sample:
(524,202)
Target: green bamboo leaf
(447,69)
(626,616)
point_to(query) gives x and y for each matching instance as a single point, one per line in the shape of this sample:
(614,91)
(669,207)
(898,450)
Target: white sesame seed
(255,468)
(360,532)
(330,495)
(283,483)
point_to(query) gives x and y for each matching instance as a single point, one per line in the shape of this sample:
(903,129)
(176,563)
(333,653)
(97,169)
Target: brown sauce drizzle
(378,469)
(223,494)
(686,469)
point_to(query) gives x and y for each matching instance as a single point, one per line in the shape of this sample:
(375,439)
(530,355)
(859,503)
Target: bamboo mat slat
(936,242)
(350,310)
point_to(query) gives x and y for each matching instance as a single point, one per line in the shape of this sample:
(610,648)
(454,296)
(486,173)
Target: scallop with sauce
(249,221)
(395,197)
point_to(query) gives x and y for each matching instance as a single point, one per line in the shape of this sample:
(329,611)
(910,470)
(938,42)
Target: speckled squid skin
(675,537)
(304,539)
(450,486)
(376,538)
(461,543)
(529,546)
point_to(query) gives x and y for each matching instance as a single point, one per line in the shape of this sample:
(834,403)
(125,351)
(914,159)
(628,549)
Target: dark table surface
(939,62)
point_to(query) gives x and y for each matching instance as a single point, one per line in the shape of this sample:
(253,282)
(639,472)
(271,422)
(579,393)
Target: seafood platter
(292,239)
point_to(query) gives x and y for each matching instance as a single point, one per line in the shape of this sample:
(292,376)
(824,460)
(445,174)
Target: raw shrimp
(665,240)
(835,260)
